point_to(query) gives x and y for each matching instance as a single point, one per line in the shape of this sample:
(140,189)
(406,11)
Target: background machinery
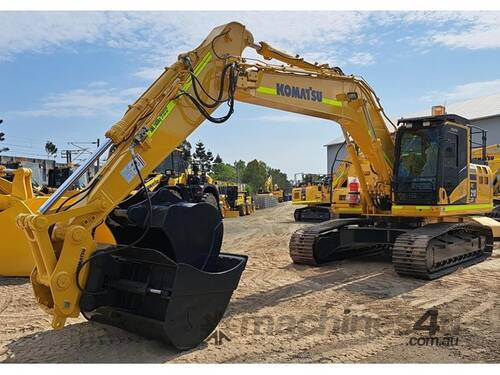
(313,191)
(187,181)
(269,195)
(167,278)
(234,201)
(492,157)
(194,186)
(16,196)
(326,197)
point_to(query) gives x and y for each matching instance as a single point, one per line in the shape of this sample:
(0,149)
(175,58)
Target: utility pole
(2,138)
(98,144)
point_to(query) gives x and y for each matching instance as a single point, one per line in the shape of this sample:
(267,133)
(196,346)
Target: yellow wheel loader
(234,202)
(18,196)
(166,277)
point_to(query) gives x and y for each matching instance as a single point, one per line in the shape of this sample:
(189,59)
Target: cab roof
(435,119)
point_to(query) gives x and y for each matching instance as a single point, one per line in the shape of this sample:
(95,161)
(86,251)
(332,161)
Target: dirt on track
(350,311)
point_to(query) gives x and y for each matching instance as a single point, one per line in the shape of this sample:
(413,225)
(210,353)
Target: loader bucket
(146,292)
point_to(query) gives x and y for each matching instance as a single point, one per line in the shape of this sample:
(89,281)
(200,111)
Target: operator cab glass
(419,157)
(431,154)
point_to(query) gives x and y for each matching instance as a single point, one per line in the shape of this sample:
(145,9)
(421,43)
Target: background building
(334,147)
(39,167)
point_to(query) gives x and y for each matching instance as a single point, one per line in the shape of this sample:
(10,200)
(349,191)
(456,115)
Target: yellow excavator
(337,196)
(166,277)
(272,189)
(492,155)
(313,191)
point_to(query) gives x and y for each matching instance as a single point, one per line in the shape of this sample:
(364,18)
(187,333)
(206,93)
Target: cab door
(454,160)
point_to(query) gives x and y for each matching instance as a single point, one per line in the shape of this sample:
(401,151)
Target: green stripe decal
(266,90)
(351,209)
(335,103)
(468,207)
(172,104)
(461,207)
(197,70)
(394,207)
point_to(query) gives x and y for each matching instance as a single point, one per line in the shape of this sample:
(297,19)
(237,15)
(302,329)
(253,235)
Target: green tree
(185,149)
(224,172)
(199,156)
(209,159)
(239,166)
(255,175)
(202,158)
(50,149)
(217,159)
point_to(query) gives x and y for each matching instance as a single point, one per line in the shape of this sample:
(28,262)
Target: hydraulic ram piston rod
(75,176)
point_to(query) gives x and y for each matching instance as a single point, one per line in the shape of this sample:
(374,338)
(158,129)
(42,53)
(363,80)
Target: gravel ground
(351,311)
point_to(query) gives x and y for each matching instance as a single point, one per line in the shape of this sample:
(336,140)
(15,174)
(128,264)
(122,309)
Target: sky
(69,76)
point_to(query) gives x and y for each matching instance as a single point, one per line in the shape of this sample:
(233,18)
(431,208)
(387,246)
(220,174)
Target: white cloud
(471,30)
(361,58)
(148,74)
(464,91)
(484,32)
(161,36)
(93,100)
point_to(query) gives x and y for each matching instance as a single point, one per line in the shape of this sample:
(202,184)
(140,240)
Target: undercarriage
(418,250)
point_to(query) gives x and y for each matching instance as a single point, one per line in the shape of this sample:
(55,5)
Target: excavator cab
(432,158)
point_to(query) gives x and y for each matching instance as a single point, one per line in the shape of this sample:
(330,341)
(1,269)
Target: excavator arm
(132,285)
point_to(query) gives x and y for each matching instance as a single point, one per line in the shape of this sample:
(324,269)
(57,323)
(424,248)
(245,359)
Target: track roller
(313,214)
(435,250)
(322,243)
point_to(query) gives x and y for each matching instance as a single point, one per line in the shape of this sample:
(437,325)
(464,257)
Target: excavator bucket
(149,294)
(174,285)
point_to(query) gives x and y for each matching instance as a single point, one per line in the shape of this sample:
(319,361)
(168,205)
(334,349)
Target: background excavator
(493,160)
(272,189)
(313,191)
(166,277)
(334,196)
